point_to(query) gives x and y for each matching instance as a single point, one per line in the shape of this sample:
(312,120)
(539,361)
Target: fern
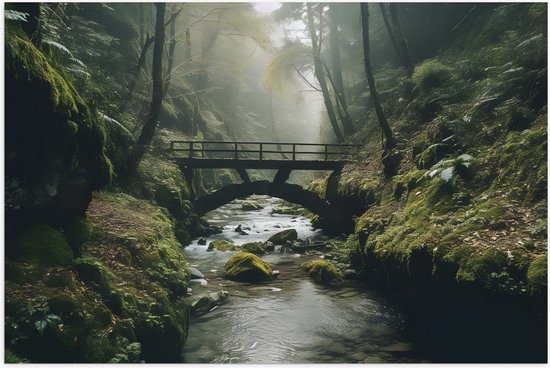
(58,46)
(115,122)
(15,15)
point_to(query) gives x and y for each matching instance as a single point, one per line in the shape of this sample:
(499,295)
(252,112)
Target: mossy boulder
(254,247)
(283,236)
(78,231)
(221,245)
(62,279)
(93,272)
(206,302)
(537,275)
(251,206)
(248,267)
(43,245)
(321,271)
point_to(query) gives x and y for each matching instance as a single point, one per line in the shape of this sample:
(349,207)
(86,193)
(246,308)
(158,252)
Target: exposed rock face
(55,156)
(248,267)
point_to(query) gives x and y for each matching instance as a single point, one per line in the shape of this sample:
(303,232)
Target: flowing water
(291,319)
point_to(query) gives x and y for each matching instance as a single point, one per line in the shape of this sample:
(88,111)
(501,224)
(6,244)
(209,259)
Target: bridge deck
(218,163)
(260,155)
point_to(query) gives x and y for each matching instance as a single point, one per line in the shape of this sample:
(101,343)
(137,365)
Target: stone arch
(289,192)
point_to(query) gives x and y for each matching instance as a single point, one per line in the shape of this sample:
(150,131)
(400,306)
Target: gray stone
(195,274)
(202,241)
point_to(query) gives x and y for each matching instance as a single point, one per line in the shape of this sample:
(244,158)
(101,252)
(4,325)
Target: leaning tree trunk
(148,130)
(390,142)
(338,84)
(319,74)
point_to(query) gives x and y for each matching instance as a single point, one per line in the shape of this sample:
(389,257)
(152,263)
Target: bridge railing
(262,150)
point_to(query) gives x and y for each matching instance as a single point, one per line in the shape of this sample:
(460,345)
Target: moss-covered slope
(121,300)
(467,205)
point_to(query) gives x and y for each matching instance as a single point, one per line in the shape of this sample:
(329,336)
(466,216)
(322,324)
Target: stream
(290,319)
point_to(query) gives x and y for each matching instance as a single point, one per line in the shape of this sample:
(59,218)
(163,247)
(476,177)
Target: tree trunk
(390,143)
(400,38)
(319,74)
(148,130)
(389,28)
(171,49)
(338,83)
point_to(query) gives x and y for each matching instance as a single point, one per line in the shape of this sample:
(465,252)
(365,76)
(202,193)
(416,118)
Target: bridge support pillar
(282,176)
(189,178)
(243,174)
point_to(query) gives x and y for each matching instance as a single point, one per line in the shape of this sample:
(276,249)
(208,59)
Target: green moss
(42,245)
(251,206)
(63,305)
(248,267)
(62,279)
(93,272)
(537,275)
(322,271)
(26,61)
(78,231)
(477,265)
(221,245)
(283,236)
(431,73)
(254,247)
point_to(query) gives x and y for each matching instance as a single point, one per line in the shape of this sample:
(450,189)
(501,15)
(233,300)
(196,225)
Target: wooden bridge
(284,157)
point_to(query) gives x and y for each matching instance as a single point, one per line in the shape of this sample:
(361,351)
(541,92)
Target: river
(291,319)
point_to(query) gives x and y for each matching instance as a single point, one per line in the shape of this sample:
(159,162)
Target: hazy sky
(266,7)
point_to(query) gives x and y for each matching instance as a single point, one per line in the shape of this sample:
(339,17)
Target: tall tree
(396,34)
(390,142)
(320,75)
(173,39)
(338,82)
(148,129)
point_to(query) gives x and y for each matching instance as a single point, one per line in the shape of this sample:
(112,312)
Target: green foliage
(248,267)
(322,271)
(42,245)
(10,357)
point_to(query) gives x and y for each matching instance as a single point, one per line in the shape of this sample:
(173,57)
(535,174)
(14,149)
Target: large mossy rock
(251,206)
(55,154)
(254,247)
(321,271)
(282,237)
(248,267)
(206,302)
(221,245)
(42,245)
